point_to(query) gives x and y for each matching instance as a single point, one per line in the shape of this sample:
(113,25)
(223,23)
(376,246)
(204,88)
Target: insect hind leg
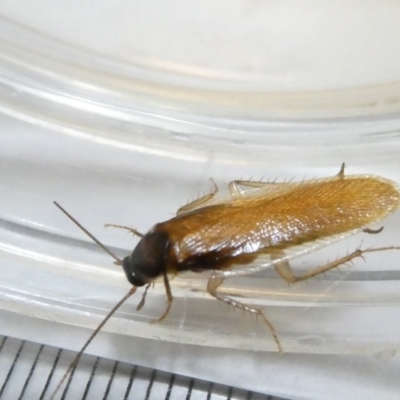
(200,202)
(341,171)
(236,191)
(285,271)
(214,282)
(373,231)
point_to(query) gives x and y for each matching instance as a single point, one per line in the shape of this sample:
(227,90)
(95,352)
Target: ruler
(31,371)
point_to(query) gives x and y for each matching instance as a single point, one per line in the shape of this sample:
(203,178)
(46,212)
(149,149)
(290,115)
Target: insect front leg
(132,230)
(215,281)
(200,202)
(169,298)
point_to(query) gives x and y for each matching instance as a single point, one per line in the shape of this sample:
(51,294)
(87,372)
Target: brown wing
(302,213)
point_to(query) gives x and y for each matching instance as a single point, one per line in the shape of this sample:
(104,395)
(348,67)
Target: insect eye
(131,274)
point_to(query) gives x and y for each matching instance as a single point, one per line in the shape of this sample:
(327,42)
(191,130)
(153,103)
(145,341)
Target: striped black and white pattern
(30,371)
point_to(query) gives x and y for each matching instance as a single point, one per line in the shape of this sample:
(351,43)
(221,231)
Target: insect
(274,222)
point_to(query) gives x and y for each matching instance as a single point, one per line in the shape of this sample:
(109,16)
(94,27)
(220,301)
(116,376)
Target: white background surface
(285,45)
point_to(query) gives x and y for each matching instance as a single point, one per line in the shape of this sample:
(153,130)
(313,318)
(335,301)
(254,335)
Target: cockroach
(269,220)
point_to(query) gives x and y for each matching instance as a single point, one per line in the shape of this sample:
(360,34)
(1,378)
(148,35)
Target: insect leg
(341,172)
(134,231)
(143,300)
(286,272)
(235,191)
(169,298)
(214,282)
(373,231)
(200,202)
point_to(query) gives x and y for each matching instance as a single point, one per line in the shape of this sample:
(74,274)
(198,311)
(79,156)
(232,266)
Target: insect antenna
(96,331)
(107,317)
(106,249)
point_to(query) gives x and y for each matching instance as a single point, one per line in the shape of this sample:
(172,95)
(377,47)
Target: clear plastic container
(122,127)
